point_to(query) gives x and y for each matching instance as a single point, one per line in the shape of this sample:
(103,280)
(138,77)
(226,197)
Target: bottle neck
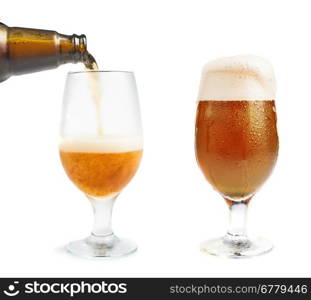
(31,50)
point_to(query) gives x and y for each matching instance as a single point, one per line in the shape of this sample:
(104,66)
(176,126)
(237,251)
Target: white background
(168,208)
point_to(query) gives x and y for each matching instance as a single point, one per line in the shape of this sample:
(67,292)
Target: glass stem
(237,223)
(102,208)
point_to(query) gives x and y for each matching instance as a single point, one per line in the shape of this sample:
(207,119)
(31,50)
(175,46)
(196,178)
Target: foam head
(106,144)
(242,77)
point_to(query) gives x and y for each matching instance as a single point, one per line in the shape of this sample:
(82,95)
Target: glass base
(102,247)
(236,248)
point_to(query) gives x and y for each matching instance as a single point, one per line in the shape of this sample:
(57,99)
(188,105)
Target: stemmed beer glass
(100,149)
(236,142)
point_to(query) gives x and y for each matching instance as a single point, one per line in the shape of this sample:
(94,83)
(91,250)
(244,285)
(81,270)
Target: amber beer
(236,145)
(99,171)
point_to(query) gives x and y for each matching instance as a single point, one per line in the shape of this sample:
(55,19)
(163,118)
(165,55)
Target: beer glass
(100,149)
(236,142)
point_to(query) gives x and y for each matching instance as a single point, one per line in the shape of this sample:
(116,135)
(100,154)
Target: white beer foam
(242,77)
(105,144)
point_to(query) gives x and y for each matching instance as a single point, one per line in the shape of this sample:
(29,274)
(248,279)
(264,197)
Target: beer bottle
(26,50)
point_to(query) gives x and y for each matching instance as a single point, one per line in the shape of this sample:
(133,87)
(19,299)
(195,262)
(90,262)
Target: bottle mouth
(80,47)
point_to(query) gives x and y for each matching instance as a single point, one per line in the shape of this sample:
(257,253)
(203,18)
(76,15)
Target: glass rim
(99,71)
